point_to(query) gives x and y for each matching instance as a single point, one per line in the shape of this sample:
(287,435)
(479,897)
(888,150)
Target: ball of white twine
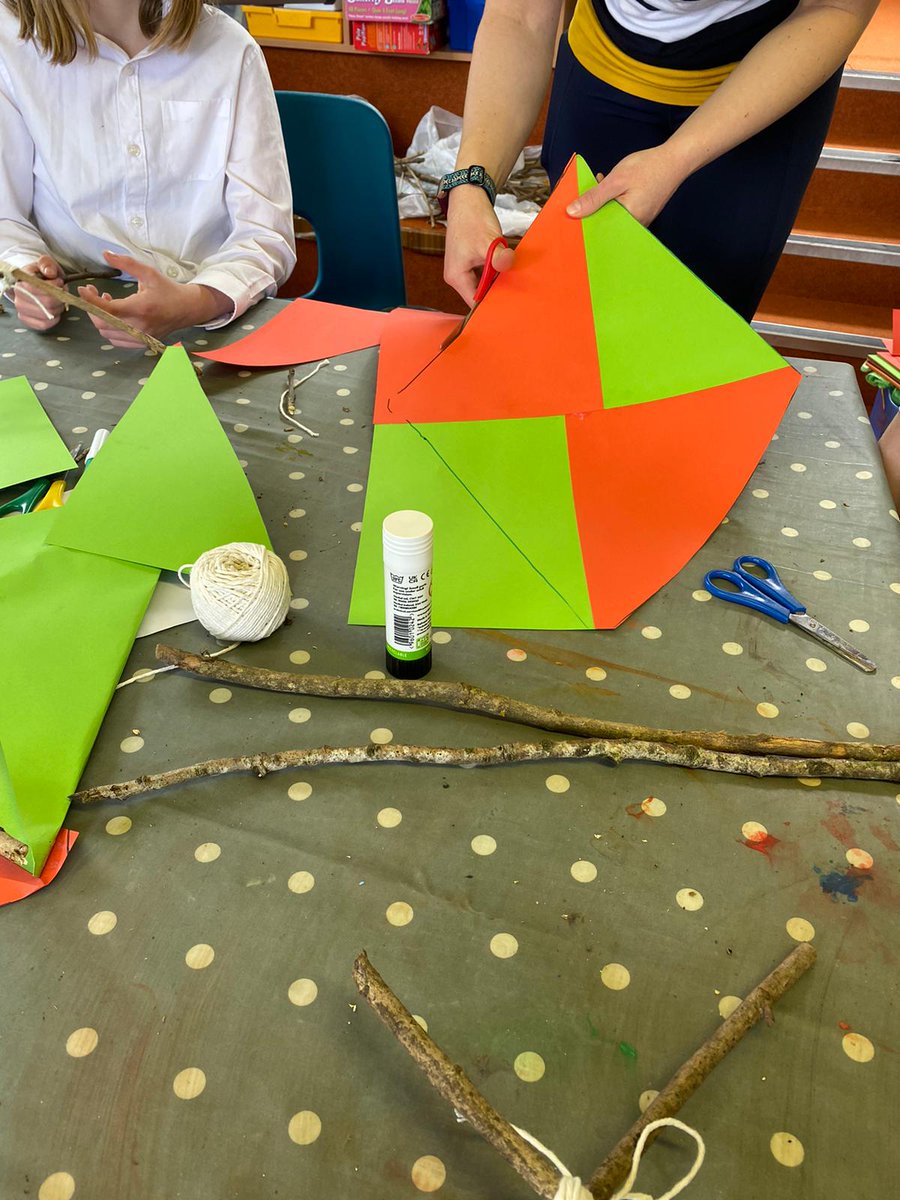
(239,592)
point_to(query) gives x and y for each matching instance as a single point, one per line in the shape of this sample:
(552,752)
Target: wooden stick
(606,751)
(14,850)
(453,1083)
(81,276)
(615,1167)
(466,698)
(73,300)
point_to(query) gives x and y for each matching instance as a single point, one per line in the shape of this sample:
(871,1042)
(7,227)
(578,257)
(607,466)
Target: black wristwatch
(474,175)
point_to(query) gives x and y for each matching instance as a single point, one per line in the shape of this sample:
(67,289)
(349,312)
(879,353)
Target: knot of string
(571,1188)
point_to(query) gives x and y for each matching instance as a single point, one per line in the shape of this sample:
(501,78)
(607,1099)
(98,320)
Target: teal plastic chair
(341,161)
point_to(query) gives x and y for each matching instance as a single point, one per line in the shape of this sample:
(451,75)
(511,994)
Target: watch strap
(475,175)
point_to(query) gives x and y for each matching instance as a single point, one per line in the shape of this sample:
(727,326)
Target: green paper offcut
(67,624)
(511,561)
(29,445)
(167,485)
(660,330)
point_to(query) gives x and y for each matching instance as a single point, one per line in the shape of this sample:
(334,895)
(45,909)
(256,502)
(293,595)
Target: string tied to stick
(239,592)
(8,281)
(571,1188)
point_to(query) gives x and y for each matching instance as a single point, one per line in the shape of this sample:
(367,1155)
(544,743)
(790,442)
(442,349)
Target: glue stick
(407,537)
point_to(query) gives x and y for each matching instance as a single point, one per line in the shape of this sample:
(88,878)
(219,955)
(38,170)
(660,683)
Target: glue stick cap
(408,532)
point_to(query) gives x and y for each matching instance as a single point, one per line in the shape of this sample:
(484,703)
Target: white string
(239,591)
(9,281)
(624,1192)
(571,1188)
(140,676)
(282,404)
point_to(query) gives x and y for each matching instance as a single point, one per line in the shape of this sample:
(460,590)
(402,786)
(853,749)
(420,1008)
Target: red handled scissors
(488,275)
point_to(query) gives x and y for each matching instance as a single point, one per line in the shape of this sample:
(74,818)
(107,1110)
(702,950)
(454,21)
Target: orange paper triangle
(652,482)
(529,350)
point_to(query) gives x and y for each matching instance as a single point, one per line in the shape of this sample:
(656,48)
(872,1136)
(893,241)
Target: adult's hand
(641,182)
(158,307)
(471,227)
(28,310)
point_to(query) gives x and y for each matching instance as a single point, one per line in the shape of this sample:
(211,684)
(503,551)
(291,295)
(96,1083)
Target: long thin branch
(453,1083)
(467,698)
(455,1086)
(614,1168)
(607,751)
(73,300)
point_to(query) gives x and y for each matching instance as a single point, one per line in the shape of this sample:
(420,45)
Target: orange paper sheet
(16,884)
(411,339)
(515,357)
(651,482)
(305,331)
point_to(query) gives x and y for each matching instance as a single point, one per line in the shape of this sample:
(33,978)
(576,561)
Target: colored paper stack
(74,585)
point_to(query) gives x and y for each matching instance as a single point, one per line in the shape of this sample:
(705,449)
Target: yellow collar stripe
(596,53)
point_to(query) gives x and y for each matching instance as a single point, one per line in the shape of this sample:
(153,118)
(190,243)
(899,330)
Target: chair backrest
(341,161)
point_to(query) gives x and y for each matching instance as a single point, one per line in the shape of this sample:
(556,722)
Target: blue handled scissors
(767,594)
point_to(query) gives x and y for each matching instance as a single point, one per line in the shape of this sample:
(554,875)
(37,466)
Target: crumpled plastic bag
(437,138)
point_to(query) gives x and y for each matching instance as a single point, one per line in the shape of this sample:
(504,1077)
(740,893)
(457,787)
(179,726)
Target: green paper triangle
(67,625)
(519,472)
(479,571)
(29,445)
(166,486)
(660,330)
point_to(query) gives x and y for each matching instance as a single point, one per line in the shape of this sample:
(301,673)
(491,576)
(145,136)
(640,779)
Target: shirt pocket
(195,138)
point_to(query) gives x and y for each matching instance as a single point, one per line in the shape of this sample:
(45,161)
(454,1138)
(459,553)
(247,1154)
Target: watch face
(476,175)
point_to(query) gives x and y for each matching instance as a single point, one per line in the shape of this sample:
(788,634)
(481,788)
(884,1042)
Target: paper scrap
(305,331)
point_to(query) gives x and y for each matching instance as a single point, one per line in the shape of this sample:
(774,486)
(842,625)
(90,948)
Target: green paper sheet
(29,445)
(642,310)
(167,485)
(508,556)
(67,624)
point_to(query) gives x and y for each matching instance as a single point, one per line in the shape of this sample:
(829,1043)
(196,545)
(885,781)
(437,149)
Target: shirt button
(134,150)
(172,272)
(137,222)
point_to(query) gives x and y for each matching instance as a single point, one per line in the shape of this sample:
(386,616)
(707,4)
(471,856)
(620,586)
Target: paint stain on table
(842,885)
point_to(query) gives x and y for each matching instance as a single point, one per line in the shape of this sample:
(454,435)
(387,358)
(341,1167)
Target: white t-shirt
(173,157)
(674,20)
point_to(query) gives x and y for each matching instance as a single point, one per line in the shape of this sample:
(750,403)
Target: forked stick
(456,1087)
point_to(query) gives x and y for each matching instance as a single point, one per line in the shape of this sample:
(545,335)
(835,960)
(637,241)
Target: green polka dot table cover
(177,1008)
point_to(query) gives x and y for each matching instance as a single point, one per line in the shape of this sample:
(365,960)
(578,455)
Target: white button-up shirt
(173,157)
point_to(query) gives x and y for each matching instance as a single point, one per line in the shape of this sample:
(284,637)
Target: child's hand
(159,306)
(27,309)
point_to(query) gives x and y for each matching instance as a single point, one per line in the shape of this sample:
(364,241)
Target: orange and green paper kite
(580,440)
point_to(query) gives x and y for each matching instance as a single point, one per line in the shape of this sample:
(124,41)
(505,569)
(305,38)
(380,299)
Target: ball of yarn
(239,592)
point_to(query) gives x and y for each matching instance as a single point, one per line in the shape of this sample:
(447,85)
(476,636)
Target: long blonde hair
(56,25)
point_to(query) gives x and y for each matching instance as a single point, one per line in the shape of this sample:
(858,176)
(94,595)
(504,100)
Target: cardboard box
(418,12)
(396,37)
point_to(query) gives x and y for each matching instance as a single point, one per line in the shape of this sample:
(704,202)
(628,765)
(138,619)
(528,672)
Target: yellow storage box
(294,24)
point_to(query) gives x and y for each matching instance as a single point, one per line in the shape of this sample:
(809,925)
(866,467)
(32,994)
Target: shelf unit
(346,48)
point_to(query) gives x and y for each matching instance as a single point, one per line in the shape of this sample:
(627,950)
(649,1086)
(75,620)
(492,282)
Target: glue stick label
(408,613)
(408,540)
